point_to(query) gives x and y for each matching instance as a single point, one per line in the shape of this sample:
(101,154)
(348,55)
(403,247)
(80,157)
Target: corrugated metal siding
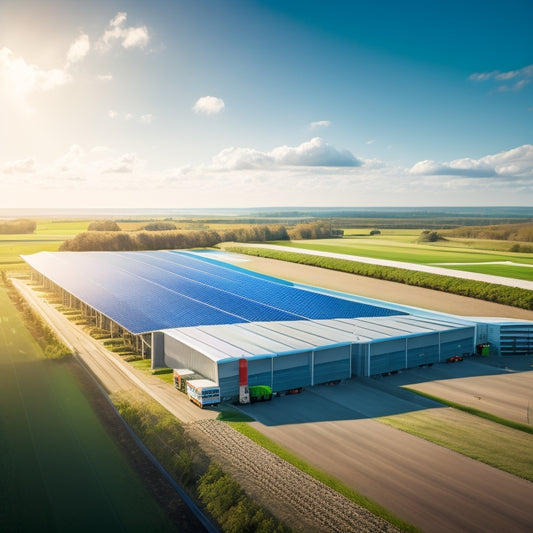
(387,356)
(331,364)
(456,342)
(292,371)
(516,339)
(422,350)
(260,372)
(179,355)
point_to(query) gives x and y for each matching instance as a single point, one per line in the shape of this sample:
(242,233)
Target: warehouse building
(192,310)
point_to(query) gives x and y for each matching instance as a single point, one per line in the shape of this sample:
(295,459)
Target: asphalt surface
(435,489)
(504,392)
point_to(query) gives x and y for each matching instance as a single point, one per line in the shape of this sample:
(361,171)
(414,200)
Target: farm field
(48,236)
(387,247)
(60,470)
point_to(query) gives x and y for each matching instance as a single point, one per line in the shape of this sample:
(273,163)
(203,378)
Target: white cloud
(17,75)
(112,114)
(136,37)
(22,166)
(313,153)
(209,105)
(78,49)
(104,77)
(125,164)
(522,76)
(511,164)
(320,124)
(128,37)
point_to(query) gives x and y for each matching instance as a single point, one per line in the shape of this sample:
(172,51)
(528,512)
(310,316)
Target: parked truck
(203,392)
(260,393)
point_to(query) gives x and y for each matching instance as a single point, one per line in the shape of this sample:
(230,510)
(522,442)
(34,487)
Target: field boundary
(491,292)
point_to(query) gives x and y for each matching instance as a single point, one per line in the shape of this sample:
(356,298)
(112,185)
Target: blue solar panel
(147,291)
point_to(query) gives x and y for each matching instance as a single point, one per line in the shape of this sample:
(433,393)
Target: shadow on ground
(362,398)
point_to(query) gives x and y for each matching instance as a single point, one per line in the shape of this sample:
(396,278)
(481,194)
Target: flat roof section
(271,339)
(156,290)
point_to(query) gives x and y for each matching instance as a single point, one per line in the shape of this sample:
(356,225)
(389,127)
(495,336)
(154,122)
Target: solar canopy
(149,291)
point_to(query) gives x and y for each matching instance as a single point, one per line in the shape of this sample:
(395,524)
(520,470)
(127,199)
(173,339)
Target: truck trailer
(203,392)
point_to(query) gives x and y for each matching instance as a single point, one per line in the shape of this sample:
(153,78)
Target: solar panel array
(148,291)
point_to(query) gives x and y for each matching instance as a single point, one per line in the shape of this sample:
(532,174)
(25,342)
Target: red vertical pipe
(243,372)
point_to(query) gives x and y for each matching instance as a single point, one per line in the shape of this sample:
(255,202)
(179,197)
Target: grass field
(495,444)
(48,236)
(59,469)
(399,247)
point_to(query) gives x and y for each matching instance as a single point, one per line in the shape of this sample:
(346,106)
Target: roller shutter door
(228,379)
(456,342)
(292,371)
(331,364)
(260,372)
(422,350)
(387,356)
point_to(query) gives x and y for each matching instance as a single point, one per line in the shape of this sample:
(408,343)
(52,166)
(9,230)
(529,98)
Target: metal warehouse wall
(457,342)
(390,355)
(511,339)
(331,364)
(179,355)
(292,371)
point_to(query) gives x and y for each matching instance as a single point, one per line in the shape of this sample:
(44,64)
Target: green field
(48,237)
(402,246)
(484,440)
(59,469)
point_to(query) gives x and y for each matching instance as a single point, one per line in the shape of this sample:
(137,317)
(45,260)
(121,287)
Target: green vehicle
(260,393)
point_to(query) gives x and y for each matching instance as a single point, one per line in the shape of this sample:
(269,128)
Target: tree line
(174,240)
(21,225)
(505,232)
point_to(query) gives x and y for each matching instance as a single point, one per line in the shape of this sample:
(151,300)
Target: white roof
(269,339)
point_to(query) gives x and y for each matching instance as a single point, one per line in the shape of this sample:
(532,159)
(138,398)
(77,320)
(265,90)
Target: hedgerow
(490,292)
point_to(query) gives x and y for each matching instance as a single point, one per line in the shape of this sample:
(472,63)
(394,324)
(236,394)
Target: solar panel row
(147,291)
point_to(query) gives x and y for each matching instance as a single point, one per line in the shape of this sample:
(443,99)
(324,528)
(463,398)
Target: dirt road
(500,280)
(382,290)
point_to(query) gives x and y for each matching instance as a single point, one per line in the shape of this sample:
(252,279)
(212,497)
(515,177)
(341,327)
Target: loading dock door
(331,364)
(292,371)
(422,350)
(387,356)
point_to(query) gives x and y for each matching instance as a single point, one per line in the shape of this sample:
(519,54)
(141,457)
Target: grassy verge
(321,476)
(490,292)
(182,457)
(496,445)
(51,346)
(166,374)
(477,412)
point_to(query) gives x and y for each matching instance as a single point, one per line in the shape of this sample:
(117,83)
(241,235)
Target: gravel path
(500,280)
(307,503)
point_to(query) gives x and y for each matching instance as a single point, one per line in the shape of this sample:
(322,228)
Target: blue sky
(233,103)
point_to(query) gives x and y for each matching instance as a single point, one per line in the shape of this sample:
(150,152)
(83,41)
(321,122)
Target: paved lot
(504,392)
(434,488)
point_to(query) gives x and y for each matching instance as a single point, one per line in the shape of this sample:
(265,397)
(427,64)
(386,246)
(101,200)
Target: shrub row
(45,337)
(229,505)
(219,494)
(490,292)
